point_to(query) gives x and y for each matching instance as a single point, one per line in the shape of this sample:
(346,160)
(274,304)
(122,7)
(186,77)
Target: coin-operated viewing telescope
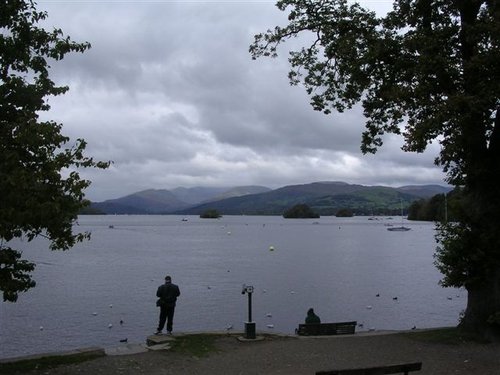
(249,325)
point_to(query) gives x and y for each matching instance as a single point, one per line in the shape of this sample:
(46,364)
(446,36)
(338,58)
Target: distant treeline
(300,211)
(438,208)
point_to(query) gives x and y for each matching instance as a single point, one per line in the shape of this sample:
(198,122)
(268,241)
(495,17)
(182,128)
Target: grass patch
(44,363)
(449,336)
(198,345)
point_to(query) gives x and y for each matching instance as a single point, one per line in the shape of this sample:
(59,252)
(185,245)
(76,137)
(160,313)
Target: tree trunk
(482,315)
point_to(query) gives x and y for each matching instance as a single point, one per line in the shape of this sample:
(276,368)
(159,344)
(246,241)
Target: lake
(346,268)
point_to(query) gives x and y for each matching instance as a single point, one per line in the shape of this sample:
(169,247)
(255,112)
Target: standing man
(167,294)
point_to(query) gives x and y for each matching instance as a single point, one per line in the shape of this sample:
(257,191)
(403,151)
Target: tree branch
(494,147)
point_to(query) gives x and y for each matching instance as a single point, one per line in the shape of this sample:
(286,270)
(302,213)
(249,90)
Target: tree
(344,212)
(210,214)
(440,207)
(427,71)
(41,191)
(300,211)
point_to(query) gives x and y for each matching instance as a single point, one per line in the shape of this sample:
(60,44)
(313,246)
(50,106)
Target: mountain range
(325,198)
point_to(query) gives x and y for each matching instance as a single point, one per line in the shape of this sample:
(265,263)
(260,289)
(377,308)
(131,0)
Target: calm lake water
(336,265)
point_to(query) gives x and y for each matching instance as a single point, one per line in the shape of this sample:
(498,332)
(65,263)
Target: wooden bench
(321,329)
(404,368)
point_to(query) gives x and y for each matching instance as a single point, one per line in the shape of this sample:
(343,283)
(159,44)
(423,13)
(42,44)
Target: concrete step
(159,339)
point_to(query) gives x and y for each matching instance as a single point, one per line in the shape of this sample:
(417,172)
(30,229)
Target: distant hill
(144,202)
(238,192)
(163,201)
(424,191)
(197,194)
(326,198)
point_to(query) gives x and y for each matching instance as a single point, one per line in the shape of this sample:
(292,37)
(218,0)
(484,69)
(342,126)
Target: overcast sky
(170,94)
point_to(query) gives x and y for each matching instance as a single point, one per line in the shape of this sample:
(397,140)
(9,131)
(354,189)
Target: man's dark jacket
(168,294)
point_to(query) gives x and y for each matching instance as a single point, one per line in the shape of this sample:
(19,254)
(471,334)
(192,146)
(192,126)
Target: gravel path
(292,355)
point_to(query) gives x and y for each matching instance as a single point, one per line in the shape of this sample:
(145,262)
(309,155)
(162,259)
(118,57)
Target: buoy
(110,325)
(110,306)
(121,321)
(369,307)
(41,328)
(269,315)
(94,313)
(271,248)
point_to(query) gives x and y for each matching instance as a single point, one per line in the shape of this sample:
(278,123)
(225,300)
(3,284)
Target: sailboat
(402,228)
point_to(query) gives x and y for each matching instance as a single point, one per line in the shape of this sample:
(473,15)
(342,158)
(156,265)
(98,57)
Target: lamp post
(249,325)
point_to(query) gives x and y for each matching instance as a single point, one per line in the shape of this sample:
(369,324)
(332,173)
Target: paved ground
(292,355)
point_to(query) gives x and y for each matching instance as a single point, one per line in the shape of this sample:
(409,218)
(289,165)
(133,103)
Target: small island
(300,211)
(344,212)
(210,214)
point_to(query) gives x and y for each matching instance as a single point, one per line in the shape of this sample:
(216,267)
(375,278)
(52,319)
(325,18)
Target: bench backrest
(403,368)
(319,329)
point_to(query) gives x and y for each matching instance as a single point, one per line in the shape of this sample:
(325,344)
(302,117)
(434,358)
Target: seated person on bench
(312,317)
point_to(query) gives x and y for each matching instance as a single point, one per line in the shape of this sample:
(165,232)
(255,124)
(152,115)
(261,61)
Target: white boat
(401,228)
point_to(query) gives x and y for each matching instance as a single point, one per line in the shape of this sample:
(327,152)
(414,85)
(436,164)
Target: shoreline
(135,348)
(441,351)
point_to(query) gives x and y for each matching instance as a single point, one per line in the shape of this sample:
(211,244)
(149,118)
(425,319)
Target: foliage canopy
(300,211)
(41,191)
(210,214)
(417,71)
(429,71)
(344,212)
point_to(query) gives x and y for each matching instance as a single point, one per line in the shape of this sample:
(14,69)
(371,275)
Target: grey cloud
(170,93)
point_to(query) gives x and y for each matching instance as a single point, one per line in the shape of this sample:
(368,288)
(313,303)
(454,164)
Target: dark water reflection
(338,266)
